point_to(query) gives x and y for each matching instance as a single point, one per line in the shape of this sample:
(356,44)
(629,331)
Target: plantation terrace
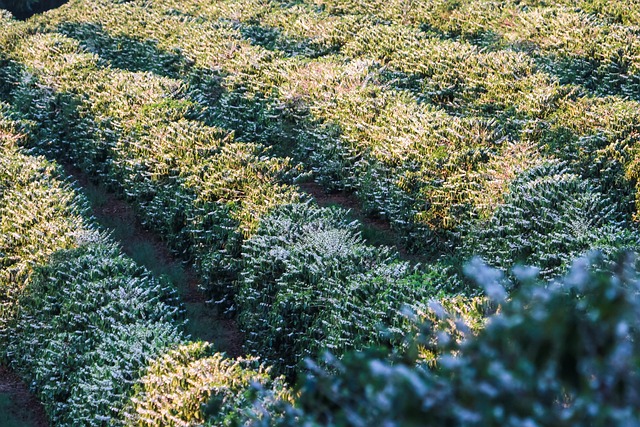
(319,213)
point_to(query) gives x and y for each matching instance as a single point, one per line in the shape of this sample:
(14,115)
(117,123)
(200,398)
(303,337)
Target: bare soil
(380,227)
(18,407)
(118,216)
(204,322)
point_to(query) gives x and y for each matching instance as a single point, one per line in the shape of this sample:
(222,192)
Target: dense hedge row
(80,328)
(190,386)
(38,216)
(310,283)
(549,217)
(91,322)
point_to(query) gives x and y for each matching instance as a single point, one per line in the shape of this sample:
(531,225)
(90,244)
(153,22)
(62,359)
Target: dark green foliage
(309,282)
(549,217)
(585,155)
(562,353)
(596,137)
(79,321)
(602,79)
(9,73)
(92,320)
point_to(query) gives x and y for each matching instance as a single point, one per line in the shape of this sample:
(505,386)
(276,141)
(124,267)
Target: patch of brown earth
(204,323)
(381,227)
(18,407)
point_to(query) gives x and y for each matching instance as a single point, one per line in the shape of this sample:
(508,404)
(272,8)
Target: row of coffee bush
(223,204)
(90,324)
(99,339)
(189,110)
(401,104)
(95,336)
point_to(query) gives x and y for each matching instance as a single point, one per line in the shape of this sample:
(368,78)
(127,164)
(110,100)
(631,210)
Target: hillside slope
(501,129)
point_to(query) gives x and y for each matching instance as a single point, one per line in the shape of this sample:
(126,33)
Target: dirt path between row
(376,231)
(18,407)
(149,250)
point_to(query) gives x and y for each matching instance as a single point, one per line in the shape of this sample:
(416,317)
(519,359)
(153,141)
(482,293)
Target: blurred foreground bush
(559,353)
